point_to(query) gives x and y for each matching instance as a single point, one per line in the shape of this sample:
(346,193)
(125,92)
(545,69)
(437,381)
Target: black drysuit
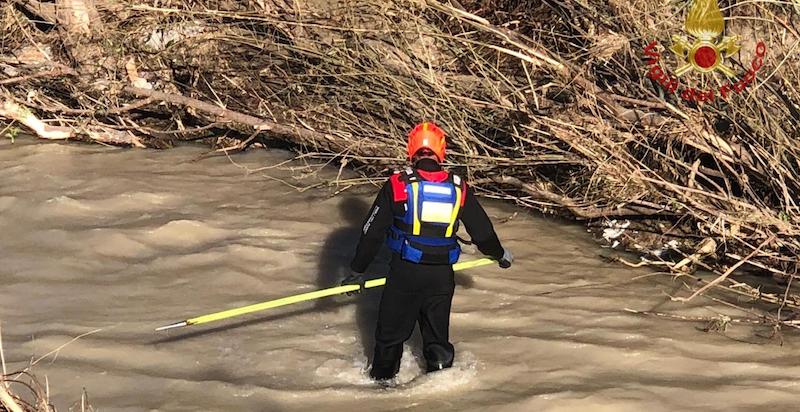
(416,292)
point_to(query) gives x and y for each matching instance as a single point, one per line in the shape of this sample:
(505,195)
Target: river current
(118,242)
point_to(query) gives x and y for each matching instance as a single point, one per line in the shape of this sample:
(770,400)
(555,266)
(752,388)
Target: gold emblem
(706,24)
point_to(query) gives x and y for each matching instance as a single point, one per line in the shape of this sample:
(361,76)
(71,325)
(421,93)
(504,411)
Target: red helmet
(426,135)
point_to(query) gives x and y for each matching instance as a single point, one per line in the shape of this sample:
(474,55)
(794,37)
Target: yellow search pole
(225,314)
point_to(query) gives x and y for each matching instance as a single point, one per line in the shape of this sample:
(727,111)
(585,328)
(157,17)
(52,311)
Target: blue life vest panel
(426,232)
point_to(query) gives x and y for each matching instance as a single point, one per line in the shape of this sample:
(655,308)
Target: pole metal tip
(174,325)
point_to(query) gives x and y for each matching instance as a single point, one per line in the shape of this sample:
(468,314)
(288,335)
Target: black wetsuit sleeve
(373,231)
(479,227)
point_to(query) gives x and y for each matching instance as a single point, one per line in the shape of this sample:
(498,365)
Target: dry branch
(8,401)
(16,112)
(586,211)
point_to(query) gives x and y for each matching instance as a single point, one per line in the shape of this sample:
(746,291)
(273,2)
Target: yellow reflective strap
(454,216)
(417,226)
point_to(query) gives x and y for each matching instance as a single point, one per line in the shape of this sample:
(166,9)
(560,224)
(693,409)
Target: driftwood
(7,401)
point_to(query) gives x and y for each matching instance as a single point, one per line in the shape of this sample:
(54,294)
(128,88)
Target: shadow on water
(334,265)
(464,280)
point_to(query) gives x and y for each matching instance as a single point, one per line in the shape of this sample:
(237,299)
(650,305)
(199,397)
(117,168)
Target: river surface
(125,241)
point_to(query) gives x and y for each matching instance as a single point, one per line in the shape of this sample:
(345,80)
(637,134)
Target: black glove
(354,279)
(505,261)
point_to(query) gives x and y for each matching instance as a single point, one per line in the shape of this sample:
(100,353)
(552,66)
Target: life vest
(426,231)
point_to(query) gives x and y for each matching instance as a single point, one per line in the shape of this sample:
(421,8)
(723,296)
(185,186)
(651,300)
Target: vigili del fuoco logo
(705,51)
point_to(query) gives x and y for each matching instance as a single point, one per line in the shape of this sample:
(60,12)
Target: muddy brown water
(127,240)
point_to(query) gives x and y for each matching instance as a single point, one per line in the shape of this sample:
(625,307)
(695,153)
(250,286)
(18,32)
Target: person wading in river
(418,212)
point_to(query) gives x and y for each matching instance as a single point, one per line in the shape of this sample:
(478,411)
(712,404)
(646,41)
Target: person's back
(418,212)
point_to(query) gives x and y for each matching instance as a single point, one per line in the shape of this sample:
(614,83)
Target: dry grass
(22,391)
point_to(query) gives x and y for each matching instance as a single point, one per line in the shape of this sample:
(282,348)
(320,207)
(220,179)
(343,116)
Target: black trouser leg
(396,318)
(434,324)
